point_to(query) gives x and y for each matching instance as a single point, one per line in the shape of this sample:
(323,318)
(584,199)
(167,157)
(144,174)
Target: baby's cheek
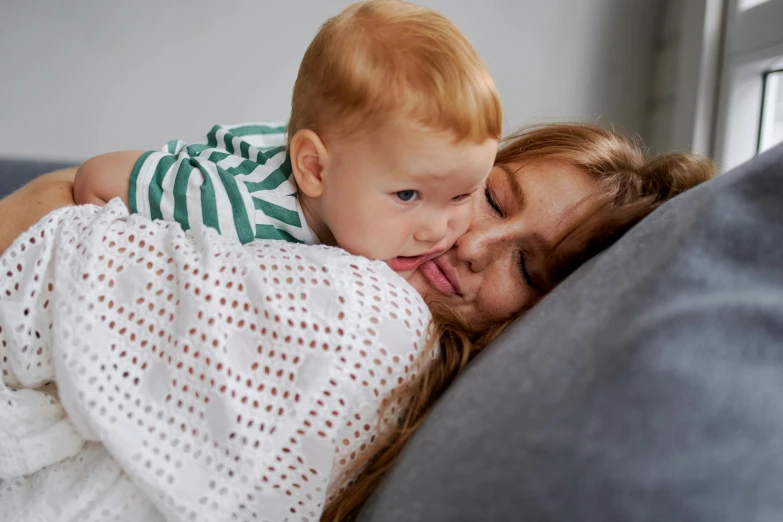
(374,237)
(461,220)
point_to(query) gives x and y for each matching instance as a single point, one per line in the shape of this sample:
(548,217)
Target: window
(750,111)
(771,121)
(747,4)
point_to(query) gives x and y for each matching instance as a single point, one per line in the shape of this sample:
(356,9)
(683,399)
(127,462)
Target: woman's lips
(441,276)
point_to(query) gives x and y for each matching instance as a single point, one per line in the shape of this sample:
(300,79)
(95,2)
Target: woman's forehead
(550,179)
(551,190)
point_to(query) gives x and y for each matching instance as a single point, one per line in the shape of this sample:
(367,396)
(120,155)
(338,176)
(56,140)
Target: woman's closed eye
(492,201)
(523,261)
(523,268)
(407,195)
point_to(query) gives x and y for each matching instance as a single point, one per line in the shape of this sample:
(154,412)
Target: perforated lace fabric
(224,381)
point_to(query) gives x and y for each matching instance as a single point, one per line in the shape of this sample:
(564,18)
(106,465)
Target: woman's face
(491,272)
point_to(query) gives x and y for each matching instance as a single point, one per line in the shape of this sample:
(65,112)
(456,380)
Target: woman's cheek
(500,302)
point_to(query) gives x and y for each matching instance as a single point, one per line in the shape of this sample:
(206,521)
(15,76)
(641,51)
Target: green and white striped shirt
(238,181)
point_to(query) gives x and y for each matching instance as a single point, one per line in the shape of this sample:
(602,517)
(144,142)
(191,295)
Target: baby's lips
(404,264)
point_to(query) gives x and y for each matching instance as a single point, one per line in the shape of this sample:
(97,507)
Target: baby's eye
(407,195)
(461,197)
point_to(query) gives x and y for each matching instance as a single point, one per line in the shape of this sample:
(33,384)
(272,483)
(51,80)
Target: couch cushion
(647,387)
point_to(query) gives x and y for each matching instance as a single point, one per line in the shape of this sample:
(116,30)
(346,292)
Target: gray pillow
(647,387)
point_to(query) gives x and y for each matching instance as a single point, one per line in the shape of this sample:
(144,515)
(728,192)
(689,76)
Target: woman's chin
(417,281)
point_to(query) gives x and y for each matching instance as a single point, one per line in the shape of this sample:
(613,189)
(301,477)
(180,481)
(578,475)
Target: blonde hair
(382,59)
(633,185)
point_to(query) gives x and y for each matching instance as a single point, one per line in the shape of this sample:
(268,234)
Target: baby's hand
(103,178)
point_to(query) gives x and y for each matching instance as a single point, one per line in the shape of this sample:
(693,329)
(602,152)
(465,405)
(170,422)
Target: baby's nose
(433,230)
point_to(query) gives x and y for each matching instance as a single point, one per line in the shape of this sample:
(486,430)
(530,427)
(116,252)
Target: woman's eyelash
(491,201)
(524,270)
(522,261)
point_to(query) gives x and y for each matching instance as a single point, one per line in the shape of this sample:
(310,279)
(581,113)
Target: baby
(394,126)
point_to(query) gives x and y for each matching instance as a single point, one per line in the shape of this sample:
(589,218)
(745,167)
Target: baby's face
(402,195)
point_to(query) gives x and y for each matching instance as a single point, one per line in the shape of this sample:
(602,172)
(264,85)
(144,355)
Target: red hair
(381,59)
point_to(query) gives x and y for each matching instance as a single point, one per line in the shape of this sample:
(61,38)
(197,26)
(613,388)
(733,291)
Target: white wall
(83,77)
(686,54)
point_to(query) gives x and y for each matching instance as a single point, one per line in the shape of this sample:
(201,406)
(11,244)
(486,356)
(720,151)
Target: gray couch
(16,172)
(647,387)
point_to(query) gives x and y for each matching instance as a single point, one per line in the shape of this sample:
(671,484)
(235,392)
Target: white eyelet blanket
(152,374)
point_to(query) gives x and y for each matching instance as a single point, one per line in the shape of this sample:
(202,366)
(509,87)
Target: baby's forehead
(426,177)
(425,173)
(441,163)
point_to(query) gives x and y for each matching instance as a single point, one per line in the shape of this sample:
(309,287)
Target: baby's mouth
(410,263)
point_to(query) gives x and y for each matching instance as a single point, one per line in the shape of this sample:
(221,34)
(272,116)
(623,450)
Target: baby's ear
(308,158)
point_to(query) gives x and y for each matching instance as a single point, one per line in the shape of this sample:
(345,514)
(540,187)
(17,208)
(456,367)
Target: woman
(558,195)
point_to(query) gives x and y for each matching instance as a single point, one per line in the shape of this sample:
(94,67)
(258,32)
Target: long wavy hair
(631,186)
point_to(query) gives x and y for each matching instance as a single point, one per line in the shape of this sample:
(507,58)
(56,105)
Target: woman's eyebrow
(537,240)
(516,189)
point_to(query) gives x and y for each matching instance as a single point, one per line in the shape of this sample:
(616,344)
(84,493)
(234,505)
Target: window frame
(767,106)
(753,47)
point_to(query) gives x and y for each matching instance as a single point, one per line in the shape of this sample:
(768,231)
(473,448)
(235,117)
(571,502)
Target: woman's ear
(308,159)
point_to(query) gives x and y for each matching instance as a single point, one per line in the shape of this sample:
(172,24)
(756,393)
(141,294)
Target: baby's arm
(102,178)
(22,209)
(208,184)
